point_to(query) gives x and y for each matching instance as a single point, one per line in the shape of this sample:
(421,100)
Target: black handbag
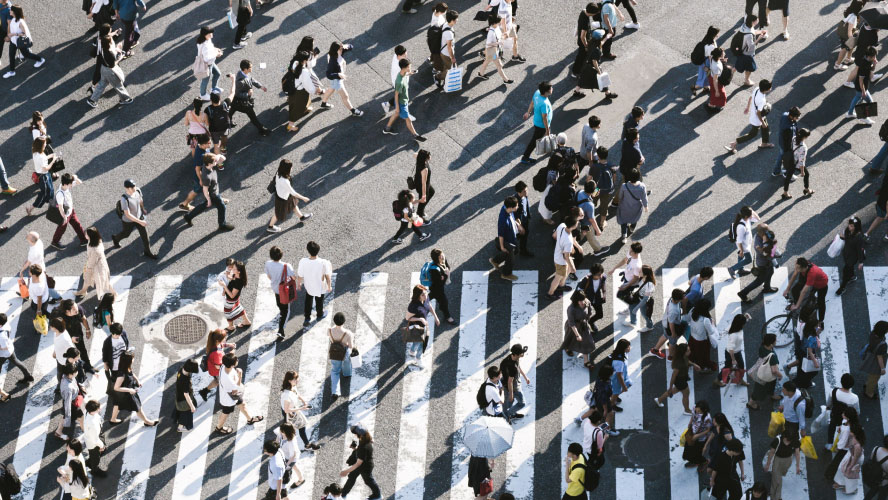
(24,42)
(54,216)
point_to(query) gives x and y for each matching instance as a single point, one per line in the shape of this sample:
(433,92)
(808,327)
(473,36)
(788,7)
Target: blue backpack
(425,274)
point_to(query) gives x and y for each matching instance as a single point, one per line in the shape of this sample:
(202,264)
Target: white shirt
(97,6)
(312,272)
(590,436)
(707,49)
(447,36)
(40,289)
(41,163)
(395,68)
(288,448)
(283,188)
(60,344)
(274,270)
(118,346)
(228,382)
(208,52)
(702,328)
(35,255)
(304,81)
(18,27)
(715,68)
(504,11)
(292,397)
(758,103)
(851,19)
(493,36)
(64,199)
(849,398)
(6,348)
(492,394)
(563,244)
(647,290)
(439,20)
(275,470)
(92,424)
(633,268)
(734,342)
(744,234)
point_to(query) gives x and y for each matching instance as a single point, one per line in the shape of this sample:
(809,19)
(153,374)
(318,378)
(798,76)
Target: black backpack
(218,117)
(883,131)
(118,208)
(397,210)
(541,179)
(737,43)
(809,403)
(726,76)
(698,55)
(591,478)
(481,396)
(10,483)
(732,232)
(871,470)
(288,82)
(605,180)
(434,36)
(838,407)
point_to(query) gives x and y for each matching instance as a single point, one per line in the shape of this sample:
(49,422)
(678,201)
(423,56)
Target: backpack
(397,210)
(698,55)
(726,76)
(118,208)
(732,232)
(218,121)
(205,361)
(837,407)
(883,131)
(425,274)
(737,43)
(540,179)
(591,478)
(434,36)
(842,31)
(809,403)
(596,457)
(288,82)
(605,180)
(481,396)
(871,471)
(9,480)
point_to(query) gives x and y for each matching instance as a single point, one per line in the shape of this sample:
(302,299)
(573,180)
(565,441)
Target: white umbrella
(488,437)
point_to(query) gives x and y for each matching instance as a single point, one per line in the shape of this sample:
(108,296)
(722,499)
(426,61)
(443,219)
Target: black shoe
(617,408)
(188,221)
(150,255)
(204,393)
(769,290)
(573,277)
(853,278)
(419,138)
(743,272)
(516,416)
(280,336)
(226,227)
(743,297)
(57,246)
(334,397)
(602,251)
(840,291)
(313,446)
(116,241)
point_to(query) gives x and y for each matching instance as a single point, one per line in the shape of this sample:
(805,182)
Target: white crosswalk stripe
(519,467)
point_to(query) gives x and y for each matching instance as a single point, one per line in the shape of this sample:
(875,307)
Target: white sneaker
(9,74)
(386,107)
(412,118)
(39,63)
(865,121)
(205,97)
(878,76)
(850,115)
(623,312)
(646,329)
(632,26)
(657,401)
(629,323)
(273,229)
(850,85)
(613,433)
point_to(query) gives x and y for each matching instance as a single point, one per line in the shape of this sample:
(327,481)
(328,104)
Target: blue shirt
(5,17)
(610,10)
(585,204)
(128,9)
(794,414)
(507,228)
(696,291)
(541,105)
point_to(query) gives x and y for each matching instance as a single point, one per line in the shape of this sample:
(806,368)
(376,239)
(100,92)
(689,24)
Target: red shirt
(213,362)
(816,278)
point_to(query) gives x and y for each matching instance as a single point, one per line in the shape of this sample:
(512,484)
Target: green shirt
(401,89)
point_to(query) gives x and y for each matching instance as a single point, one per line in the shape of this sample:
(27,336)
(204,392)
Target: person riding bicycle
(816,282)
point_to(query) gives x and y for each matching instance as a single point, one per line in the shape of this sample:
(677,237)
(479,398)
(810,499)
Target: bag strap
(284,273)
(630,192)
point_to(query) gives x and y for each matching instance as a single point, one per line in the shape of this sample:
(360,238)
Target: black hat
(129,183)
(518,349)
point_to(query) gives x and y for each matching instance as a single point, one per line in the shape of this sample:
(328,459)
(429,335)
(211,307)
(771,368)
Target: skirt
(722,99)
(588,78)
(700,353)
(297,105)
(127,401)
(233,309)
(745,63)
(283,208)
(584,346)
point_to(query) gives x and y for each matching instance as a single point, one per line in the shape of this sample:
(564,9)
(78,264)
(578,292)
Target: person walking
(113,347)
(541,109)
(765,389)
(422,182)
(792,405)
(108,57)
(299,87)
(506,241)
(95,272)
(208,52)
(589,77)
(127,11)
(578,333)
(786,135)
(880,456)
(402,99)
(362,465)
(757,107)
(186,404)
(286,435)
(705,46)
(853,252)
(678,381)
(316,276)
(799,154)
(764,243)
(779,459)
(438,271)
(881,209)
(735,367)
(64,203)
(646,290)
(278,271)
(4,180)
(134,217)
(699,430)
(633,201)
(79,330)
(231,391)
(19,38)
(718,98)
(479,471)
(286,199)
(276,469)
(702,335)
(564,264)
(7,353)
(233,309)
(874,358)
(74,481)
(809,361)
(724,479)
(594,285)
(847,32)
(39,291)
(336,75)
(126,391)
(218,117)
(492,46)
(609,13)
(43,165)
(510,367)
(575,473)
(292,405)
(743,222)
(405,214)
(746,58)
(341,347)
(209,181)
(862,82)
(847,478)
(837,401)
(417,317)
(35,253)
(243,95)
(243,16)
(92,438)
(215,350)
(196,124)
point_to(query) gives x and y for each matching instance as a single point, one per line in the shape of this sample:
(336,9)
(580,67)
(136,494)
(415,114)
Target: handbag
(486,487)
(200,68)
(809,366)
(299,420)
(272,186)
(763,372)
(866,109)
(453,80)
(356,359)
(23,289)
(604,81)
(545,145)
(54,216)
(413,333)
(835,248)
(287,288)
(24,42)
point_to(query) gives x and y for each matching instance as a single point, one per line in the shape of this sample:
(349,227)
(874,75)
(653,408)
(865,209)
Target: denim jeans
(4,181)
(877,163)
(741,261)
(701,76)
(865,95)
(214,75)
(339,369)
(46,190)
(778,165)
(642,306)
(414,350)
(510,409)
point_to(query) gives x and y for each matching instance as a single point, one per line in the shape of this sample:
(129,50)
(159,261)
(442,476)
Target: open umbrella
(488,437)
(876,17)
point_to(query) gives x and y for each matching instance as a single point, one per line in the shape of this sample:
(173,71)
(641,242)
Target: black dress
(125,400)
(588,75)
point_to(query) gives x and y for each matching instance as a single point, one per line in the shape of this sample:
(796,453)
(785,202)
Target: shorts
(228,410)
(403,112)
(880,211)
(681,383)
(779,5)
(513,33)
(336,84)
(561,270)
(217,136)
(195,183)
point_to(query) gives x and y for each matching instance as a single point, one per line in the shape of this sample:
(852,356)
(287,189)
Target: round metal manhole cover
(637,448)
(185,329)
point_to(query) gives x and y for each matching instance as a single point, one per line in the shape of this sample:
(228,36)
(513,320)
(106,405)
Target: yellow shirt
(575,488)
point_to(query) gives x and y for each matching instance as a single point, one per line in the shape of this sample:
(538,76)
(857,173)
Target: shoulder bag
(287,288)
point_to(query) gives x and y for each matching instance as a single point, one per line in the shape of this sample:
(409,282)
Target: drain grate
(185,329)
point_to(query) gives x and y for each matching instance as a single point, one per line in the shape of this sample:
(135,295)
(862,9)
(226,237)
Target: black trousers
(420,209)
(131,34)
(439,295)
(522,238)
(762,10)
(367,475)
(599,313)
(409,4)
(506,258)
(629,9)
(763,278)
(245,107)
(606,47)
(787,178)
(579,61)
(14,361)
(403,229)
(319,306)
(95,455)
(128,229)
(753,131)
(284,310)
(538,133)
(243,19)
(820,293)
(847,272)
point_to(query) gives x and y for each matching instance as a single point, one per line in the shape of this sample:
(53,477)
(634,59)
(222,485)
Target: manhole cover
(185,329)
(637,448)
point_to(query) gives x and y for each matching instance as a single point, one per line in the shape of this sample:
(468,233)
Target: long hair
(647,272)
(106,304)
(855,8)
(737,323)
(306,45)
(288,431)
(125,363)
(711,33)
(214,339)
(17,12)
(196,105)
(333,53)
(241,271)
(204,31)
(92,234)
(38,145)
(701,310)
(36,119)
(77,473)
(422,161)
(620,349)
(290,378)
(418,290)
(300,59)
(284,168)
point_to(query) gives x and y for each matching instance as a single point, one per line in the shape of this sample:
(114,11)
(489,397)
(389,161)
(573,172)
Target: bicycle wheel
(781,326)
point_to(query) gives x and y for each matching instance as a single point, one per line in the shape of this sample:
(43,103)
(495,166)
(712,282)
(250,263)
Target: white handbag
(453,80)
(356,361)
(809,366)
(604,81)
(835,248)
(545,145)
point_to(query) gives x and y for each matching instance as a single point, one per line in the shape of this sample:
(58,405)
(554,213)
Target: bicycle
(780,325)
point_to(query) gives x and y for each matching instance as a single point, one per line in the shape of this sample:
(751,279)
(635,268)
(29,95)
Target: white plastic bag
(835,248)
(231,23)
(356,361)
(453,80)
(604,81)
(821,420)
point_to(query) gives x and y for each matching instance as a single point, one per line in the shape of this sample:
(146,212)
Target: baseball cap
(518,349)
(129,183)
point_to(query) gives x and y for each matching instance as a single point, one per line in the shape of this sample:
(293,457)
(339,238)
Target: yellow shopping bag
(775,427)
(807,448)
(683,439)
(41,324)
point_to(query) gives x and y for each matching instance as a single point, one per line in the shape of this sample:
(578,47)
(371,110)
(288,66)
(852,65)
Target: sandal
(245,325)
(255,419)
(112,422)
(786,196)
(300,483)
(611,95)
(231,329)
(152,424)
(482,76)
(224,430)
(808,192)
(589,364)
(5,398)
(578,94)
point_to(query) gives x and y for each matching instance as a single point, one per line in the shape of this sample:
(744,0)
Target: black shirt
(74,325)
(584,23)
(629,159)
(783,450)
(509,367)
(365,454)
(864,70)
(629,123)
(883,192)
(183,387)
(235,285)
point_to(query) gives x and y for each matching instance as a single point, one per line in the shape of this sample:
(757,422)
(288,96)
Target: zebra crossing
(517,471)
